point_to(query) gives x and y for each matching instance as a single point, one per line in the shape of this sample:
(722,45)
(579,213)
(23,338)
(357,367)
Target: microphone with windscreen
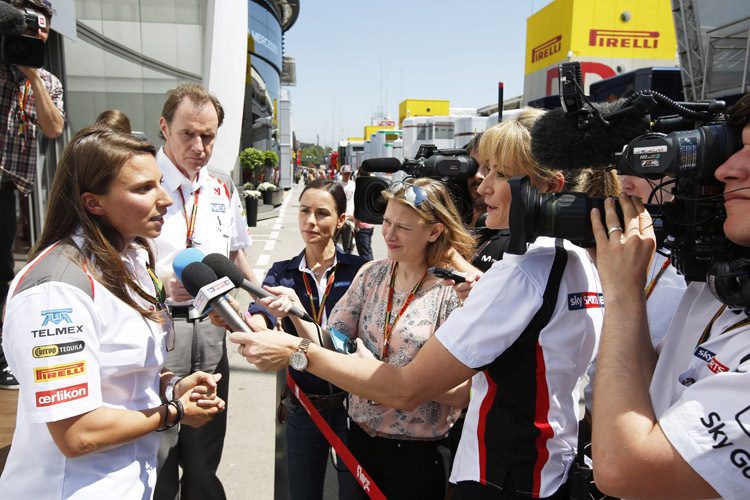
(222,266)
(185,257)
(201,282)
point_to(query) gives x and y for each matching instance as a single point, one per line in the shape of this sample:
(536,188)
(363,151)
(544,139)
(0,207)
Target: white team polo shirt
(220,225)
(701,393)
(73,354)
(523,415)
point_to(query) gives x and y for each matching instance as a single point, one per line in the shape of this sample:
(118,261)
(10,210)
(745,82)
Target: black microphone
(386,165)
(195,277)
(557,142)
(12,20)
(222,266)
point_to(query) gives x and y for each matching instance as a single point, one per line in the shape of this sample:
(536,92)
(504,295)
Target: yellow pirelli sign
(581,29)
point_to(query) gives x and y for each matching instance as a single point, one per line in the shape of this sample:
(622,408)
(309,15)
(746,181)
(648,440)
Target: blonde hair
(508,144)
(595,182)
(438,208)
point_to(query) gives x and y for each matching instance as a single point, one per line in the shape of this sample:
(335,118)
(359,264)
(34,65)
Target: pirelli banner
(607,37)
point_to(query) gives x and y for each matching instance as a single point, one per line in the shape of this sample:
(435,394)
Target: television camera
(447,165)
(16,47)
(679,151)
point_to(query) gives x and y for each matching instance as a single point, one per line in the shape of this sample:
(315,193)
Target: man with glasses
(30,98)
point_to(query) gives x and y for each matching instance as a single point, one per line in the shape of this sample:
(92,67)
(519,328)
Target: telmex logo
(56,316)
(59,371)
(546,49)
(624,39)
(57,396)
(46,351)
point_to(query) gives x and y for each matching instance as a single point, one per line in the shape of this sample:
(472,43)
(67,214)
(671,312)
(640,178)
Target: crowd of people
(124,384)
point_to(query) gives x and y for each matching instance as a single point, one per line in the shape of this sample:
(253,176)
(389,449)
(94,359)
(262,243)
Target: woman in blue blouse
(319,275)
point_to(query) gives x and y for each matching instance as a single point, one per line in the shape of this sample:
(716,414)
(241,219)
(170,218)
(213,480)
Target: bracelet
(180,413)
(169,390)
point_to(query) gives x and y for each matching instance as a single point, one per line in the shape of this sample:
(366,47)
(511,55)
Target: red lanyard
(650,287)
(193,216)
(319,315)
(388,328)
(23,97)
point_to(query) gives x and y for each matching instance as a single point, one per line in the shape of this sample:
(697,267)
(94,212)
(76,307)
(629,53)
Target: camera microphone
(558,142)
(222,266)
(201,282)
(385,165)
(12,20)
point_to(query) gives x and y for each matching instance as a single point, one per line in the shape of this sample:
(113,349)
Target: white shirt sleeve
(52,343)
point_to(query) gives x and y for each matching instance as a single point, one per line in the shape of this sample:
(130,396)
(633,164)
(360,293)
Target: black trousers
(402,469)
(470,490)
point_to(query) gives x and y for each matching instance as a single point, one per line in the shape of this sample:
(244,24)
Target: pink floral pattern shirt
(361,313)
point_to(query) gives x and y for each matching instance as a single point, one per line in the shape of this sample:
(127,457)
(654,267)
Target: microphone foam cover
(222,266)
(557,142)
(184,258)
(196,275)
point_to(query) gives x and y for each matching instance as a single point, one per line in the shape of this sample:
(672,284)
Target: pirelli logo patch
(59,371)
(585,300)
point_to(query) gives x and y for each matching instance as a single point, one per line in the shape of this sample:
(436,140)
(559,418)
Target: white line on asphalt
(263,260)
(273,235)
(270,245)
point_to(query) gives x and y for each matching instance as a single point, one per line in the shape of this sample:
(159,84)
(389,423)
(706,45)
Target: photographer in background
(679,426)
(29,98)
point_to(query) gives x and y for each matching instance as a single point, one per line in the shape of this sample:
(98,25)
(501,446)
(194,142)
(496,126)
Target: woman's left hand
(362,351)
(203,386)
(266,349)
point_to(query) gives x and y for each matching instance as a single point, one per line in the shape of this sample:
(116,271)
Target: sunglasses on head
(415,195)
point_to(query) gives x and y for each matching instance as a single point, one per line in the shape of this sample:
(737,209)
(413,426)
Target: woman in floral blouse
(392,308)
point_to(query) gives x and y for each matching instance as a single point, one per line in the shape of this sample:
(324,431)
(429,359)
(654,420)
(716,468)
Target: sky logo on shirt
(585,300)
(56,316)
(710,358)
(59,371)
(63,395)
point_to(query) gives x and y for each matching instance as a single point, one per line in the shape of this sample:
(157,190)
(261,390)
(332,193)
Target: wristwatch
(298,361)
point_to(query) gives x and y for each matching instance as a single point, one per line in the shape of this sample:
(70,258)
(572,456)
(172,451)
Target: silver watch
(298,361)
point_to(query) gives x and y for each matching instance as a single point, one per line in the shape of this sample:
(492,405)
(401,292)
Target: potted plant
(270,160)
(250,160)
(252,199)
(271,195)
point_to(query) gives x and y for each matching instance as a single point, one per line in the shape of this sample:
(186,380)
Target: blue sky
(355,58)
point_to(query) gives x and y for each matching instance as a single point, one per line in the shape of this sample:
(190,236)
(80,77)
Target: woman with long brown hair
(86,332)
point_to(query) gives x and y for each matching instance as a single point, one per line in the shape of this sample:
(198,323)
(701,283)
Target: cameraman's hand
(623,256)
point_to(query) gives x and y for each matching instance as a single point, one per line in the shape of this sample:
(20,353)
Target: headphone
(729,281)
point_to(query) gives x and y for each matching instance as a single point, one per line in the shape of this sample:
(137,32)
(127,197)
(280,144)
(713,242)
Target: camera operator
(679,426)
(29,98)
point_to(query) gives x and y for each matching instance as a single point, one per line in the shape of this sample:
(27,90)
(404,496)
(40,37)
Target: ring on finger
(612,230)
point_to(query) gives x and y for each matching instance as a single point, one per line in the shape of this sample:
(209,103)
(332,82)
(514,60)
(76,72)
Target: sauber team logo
(56,316)
(63,395)
(46,351)
(585,300)
(710,359)
(59,371)
(624,39)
